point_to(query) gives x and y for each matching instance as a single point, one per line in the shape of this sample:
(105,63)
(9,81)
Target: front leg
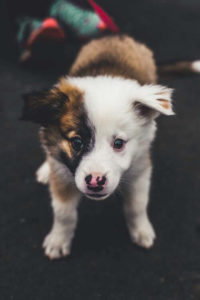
(135,207)
(65,199)
(43,173)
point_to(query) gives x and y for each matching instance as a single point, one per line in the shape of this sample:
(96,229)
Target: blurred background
(104,263)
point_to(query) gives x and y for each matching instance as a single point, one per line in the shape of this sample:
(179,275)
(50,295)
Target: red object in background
(102,25)
(49,29)
(104,16)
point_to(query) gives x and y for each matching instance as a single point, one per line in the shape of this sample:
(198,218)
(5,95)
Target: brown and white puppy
(97,125)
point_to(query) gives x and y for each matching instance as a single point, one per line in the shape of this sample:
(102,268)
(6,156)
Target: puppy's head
(98,127)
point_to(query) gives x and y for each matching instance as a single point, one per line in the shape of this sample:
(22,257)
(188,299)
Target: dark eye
(77,144)
(118,144)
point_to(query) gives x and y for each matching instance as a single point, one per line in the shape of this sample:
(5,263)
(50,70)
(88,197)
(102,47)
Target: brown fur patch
(70,119)
(162,93)
(71,134)
(72,91)
(177,67)
(44,107)
(59,188)
(164,103)
(66,147)
(116,56)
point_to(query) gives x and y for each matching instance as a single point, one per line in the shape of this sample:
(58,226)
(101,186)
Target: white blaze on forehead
(107,101)
(113,92)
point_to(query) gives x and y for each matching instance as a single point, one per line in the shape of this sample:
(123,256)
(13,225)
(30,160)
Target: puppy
(97,126)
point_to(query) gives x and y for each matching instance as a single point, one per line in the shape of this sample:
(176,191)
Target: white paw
(42,174)
(55,245)
(143,235)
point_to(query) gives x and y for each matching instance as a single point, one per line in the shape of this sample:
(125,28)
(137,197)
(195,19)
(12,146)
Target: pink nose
(95,180)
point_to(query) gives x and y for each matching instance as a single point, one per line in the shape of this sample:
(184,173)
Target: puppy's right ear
(153,100)
(44,107)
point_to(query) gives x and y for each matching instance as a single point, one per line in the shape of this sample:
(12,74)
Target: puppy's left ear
(153,100)
(43,107)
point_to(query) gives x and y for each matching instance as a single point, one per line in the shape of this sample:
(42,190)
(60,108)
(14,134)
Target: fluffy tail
(182,67)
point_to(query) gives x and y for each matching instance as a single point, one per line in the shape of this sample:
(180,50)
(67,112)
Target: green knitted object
(82,22)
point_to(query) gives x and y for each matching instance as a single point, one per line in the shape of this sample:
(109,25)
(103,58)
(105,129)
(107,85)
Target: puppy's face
(98,127)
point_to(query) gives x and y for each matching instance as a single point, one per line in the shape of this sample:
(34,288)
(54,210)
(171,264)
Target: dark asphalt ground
(104,264)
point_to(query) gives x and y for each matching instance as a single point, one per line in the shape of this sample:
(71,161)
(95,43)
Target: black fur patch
(52,135)
(44,106)
(87,133)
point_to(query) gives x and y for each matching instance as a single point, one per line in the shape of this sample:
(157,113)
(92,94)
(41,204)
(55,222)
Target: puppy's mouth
(97,196)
